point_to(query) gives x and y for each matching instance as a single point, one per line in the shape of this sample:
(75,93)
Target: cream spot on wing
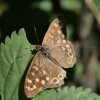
(28,80)
(29,88)
(64,41)
(59,32)
(52,31)
(44,72)
(63,48)
(55,24)
(51,36)
(37,79)
(32,73)
(59,41)
(55,80)
(47,78)
(62,35)
(67,46)
(35,68)
(34,86)
(42,82)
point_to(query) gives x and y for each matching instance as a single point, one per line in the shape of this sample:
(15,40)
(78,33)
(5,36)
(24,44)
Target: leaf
(46,95)
(3,8)
(73,5)
(97,2)
(66,93)
(15,55)
(78,70)
(43,5)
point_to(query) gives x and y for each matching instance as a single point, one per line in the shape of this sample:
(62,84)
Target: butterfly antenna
(36,35)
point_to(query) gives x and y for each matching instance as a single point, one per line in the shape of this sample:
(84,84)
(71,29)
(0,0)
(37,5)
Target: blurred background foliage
(83,29)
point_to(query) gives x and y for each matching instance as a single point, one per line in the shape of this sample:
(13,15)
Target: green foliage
(44,5)
(66,93)
(3,8)
(73,5)
(15,55)
(78,70)
(98,71)
(97,2)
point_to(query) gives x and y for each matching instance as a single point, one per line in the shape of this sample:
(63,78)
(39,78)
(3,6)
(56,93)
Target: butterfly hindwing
(42,74)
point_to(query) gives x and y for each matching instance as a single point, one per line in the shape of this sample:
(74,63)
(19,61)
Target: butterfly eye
(31,87)
(70,54)
(69,60)
(55,80)
(60,76)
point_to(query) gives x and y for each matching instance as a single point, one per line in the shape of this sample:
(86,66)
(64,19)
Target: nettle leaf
(66,93)
(15,55)
(46,95)
(73,93)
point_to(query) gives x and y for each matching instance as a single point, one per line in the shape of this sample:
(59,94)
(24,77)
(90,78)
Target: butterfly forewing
(60,49)
(42,74)
(53,34)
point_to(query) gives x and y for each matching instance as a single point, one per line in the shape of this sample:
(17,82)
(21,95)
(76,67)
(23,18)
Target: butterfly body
(46,69)
(43,50)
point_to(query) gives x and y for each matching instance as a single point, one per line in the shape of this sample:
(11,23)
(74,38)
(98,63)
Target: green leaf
(98,71)
(46,95)
(73,5)
(78,69)
(45,5)
(15,55)
(97,2)
(66,93)
(3,8)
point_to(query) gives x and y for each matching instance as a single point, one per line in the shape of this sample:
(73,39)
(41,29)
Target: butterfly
(46,69)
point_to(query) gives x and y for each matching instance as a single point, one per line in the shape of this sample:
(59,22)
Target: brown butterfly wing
(42,74)
(60,49)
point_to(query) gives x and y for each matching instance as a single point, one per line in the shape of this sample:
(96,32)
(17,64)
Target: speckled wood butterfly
(46,69)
